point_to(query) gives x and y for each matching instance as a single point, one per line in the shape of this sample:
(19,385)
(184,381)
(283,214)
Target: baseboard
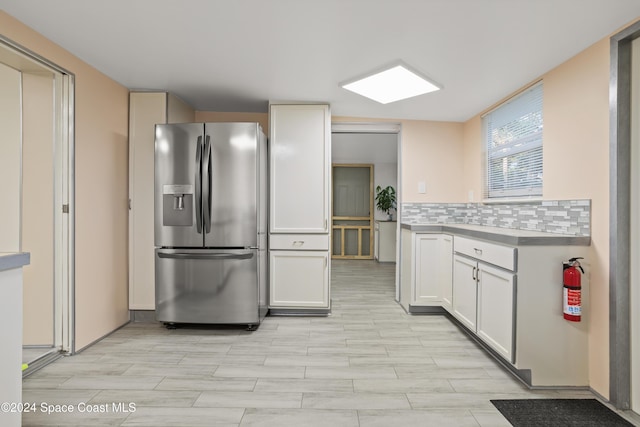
(41,362)
(142,316)
(299,312)
(421,309)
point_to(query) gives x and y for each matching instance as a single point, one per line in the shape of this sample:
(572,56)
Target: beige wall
(10,152)
(101,122)
(431,152)
(37,207)
(576,120)
(215,116)
(179,111)
(576,166)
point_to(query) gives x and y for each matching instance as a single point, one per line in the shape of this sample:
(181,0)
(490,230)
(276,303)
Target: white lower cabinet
(426,274)
(465,291)
(445,261)
(496,313)
(484,300)
(432,282)
(385,241)
(426,286)
(299,279)
(508,297)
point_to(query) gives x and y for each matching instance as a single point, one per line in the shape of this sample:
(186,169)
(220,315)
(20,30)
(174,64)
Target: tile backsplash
(551,216)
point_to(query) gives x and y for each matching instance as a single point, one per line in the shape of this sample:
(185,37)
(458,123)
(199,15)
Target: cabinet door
(465,291)
(299,279)
(146,109)
(445,272)
(496,289)
(299,168)
(426,290)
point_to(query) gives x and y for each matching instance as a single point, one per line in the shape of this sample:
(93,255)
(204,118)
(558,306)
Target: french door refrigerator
(210,223)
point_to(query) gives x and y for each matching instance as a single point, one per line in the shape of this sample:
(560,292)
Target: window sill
(513,200)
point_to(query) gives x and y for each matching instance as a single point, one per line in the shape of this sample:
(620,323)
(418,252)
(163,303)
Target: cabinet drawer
(502,256)
(303,242)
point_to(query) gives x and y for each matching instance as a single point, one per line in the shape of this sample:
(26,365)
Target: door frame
(64,189)
(371,214)
(620,217)
(382,127)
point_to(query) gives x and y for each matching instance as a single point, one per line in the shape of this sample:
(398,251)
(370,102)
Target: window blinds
(513,142)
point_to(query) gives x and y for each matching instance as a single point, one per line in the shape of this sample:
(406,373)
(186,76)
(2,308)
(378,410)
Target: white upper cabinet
(299,167)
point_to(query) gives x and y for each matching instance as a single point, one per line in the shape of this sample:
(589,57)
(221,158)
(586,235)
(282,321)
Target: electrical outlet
(422,187)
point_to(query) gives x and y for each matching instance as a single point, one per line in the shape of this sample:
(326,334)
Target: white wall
(385,174)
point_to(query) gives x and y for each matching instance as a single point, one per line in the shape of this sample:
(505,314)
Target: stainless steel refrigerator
(211,223)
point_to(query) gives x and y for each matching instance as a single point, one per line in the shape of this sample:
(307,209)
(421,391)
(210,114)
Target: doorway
(379,145)
(37,125)
(352,216)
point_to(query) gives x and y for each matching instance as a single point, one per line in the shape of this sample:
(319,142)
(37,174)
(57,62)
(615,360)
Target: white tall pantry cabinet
(300,209)
(146,109)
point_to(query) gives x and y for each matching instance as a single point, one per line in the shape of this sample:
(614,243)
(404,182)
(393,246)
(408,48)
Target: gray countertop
(10,260)
(507,236)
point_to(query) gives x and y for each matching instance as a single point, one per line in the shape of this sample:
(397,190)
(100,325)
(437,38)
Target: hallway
(368,364)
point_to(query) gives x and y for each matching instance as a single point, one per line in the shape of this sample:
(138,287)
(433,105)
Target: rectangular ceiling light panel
(392,85)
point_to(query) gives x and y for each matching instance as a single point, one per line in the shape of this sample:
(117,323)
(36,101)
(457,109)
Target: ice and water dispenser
(177,205)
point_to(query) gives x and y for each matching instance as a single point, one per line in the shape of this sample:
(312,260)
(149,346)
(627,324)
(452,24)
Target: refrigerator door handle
(246,255)
(198,185)
(206,182)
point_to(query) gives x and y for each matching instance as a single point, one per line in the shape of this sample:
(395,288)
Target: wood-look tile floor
(368,364)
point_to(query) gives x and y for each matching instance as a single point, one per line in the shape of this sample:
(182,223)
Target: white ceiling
(235,55)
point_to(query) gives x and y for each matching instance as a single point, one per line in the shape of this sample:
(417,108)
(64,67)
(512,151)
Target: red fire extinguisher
(572,290)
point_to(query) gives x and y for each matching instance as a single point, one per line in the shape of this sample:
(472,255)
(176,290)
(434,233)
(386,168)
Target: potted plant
(386,200)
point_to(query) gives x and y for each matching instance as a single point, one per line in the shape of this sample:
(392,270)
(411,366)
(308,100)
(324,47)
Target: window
(513,143)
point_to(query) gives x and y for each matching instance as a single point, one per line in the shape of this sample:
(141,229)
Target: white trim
(365,127)
(511,201)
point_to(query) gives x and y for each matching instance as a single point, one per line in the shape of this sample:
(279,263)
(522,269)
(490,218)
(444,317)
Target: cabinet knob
(478,251)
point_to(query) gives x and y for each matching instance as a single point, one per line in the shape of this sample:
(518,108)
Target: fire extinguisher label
(572,302)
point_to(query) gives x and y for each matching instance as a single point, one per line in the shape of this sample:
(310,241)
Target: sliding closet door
(37,207)
(10,152)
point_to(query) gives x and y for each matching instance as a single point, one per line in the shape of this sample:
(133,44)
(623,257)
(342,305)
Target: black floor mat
(559,412)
